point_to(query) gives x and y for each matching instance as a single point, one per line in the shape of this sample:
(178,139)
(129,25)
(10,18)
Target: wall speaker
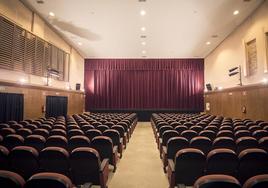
(209,87)
(77,86)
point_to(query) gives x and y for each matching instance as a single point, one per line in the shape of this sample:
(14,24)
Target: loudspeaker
(77,86)
(209,88)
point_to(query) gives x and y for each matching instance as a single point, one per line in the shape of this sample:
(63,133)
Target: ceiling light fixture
(236,12)
(80,43)
(143,52)
(142,12)
(143,43)
(51,14)
(143,28)
(208,43)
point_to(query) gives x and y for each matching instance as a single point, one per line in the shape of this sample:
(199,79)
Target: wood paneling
(230,102)
(35,98)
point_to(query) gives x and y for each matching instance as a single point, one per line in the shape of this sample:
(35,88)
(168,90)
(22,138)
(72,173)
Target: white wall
(17,12)
(231,52)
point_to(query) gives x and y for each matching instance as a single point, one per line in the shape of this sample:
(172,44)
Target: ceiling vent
(142,0)
(143,36)
(40,1)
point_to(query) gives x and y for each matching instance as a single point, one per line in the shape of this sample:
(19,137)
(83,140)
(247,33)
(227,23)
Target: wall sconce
(235,71)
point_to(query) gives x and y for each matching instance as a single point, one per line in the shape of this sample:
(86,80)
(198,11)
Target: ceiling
(174,28)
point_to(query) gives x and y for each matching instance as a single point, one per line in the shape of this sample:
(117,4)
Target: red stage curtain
(144,84)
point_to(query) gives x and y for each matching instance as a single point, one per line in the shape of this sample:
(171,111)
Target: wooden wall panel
(35,98)
(230,102)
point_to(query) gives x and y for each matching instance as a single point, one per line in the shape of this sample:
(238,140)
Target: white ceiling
(174,28)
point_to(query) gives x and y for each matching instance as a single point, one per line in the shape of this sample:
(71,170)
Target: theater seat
(87,167)
(57,141)
(35,141)
(246,142)
(202,143)
(252,162)
(224,142)
(263,143)
(24,161)
(92,133)
(49,180)
(78,141)
(106,149)
(12,140)
(54,159)
(11,180)
(173,146)
(260,181)
(189,165)
(217,181)
(117,141)
(222,161)
(4,158)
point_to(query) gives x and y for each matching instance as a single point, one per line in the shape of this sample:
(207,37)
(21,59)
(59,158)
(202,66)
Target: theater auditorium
(134,93)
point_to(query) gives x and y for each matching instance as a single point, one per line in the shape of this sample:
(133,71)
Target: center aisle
(140,166)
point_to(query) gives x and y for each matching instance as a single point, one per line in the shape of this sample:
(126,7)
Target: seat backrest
(46,180)
(224,142)
(16,126)
(78,141)
(222,161)
(181,128)
(75,132)
(175,144)
(202,143)
(6,131)
(85,165)
(252,162)
(167,135)
(120,129)
(246,142)
(35,141)
(163,129)
(54,159)
(263,143)
(4,158)
(57,141)
(41,132)
(24,132)
(104,146)
(259,181)
(92,133)
(12,140)
(11,179)
(24,161)
(189,134)
(217,181)
(189,166)
(85,128)
(57,132)
(114,135)
(225,133)
(242,133)
(209,134)
(258,134)
(102,128)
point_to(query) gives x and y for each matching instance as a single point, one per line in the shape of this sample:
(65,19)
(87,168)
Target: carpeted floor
(140,166)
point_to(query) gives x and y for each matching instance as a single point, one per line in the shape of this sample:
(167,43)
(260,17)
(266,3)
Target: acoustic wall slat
(6,43)
(23,51)
(18,49)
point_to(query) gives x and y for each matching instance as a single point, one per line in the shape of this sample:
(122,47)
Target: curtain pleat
(144,84)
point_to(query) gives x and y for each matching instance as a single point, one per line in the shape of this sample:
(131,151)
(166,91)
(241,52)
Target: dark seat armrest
(115,149)
(164,150)
(171,165)
(104,163)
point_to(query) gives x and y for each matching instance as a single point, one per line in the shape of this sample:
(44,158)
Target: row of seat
(225,181)
(54,152)
(189,157)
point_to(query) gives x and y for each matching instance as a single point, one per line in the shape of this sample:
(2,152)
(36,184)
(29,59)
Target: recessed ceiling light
(143,43)
(80,43)
(143,52)
(143,28)
(51,14)
(236,12)
(142,12)
(208,43)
